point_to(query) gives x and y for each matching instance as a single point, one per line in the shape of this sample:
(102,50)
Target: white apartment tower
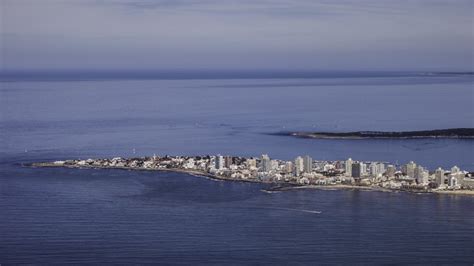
(421,175)
(219,163)
(289,167)
(307,164)
(348,165)
(299,165)
(266,164)
(410,169)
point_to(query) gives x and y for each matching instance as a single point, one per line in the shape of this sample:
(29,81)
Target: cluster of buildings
(302,170)
(409,175)
(305,170)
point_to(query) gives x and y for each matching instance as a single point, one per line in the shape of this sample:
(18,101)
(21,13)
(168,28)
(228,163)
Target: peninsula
(452,133)
(303,172)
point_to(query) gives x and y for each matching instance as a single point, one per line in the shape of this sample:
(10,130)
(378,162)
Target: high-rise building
(274,164)
(460,176)
(373,169)
(348,165)
(251,163)
(307,164)
(380,168)
(356,170)
(421,175)
(390,171)
(410,169)
(456,177)
(227,161)
(363,169)
(439,176)
(219,163)
(426,177)
(299,165)
(265,163)
(288,167)
(453,181)
(455,169)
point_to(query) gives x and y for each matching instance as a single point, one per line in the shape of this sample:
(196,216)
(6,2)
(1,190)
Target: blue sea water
(113,216)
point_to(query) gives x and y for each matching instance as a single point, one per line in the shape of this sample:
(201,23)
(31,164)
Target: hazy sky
(253,34)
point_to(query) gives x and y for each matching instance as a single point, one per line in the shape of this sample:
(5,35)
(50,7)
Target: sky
(247,34)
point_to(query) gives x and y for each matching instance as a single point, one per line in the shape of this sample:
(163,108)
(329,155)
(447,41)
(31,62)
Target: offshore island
(452,133)
(303,172)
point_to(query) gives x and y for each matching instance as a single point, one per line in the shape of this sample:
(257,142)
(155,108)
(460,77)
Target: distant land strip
(451,133)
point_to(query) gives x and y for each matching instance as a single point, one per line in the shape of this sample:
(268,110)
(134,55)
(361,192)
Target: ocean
(116,216)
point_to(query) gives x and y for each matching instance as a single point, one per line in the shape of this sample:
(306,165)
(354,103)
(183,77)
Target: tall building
(390,171)
(460,177)
(421,175)
(376,169)
(274,164)
(299,165)
(380,168)
(453,181)
(227,161)
(410,169)
(251,163)
(356,170)
(219,163)
(307,164)
(363,169)
(288,167)
(439,176)
(373,169)
(456,177)
(455,170)
(265,163)
(348,164)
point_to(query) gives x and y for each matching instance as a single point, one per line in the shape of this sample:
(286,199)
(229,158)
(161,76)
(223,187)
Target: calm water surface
(113,216)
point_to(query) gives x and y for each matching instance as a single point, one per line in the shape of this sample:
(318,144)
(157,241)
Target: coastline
(374,188)
(175,170)
(338,187)
(451,133)
(456,192)
(317,136)
(281,187)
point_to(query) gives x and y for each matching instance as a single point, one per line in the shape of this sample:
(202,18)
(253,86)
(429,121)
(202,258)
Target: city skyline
(302,171)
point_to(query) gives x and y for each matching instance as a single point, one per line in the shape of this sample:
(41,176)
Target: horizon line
(202,74)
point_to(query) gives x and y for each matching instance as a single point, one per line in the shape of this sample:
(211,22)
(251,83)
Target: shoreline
(338,187)
(456,192)
(280,186)
(451,133)
(196,173)
(374,188)
(315,136)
